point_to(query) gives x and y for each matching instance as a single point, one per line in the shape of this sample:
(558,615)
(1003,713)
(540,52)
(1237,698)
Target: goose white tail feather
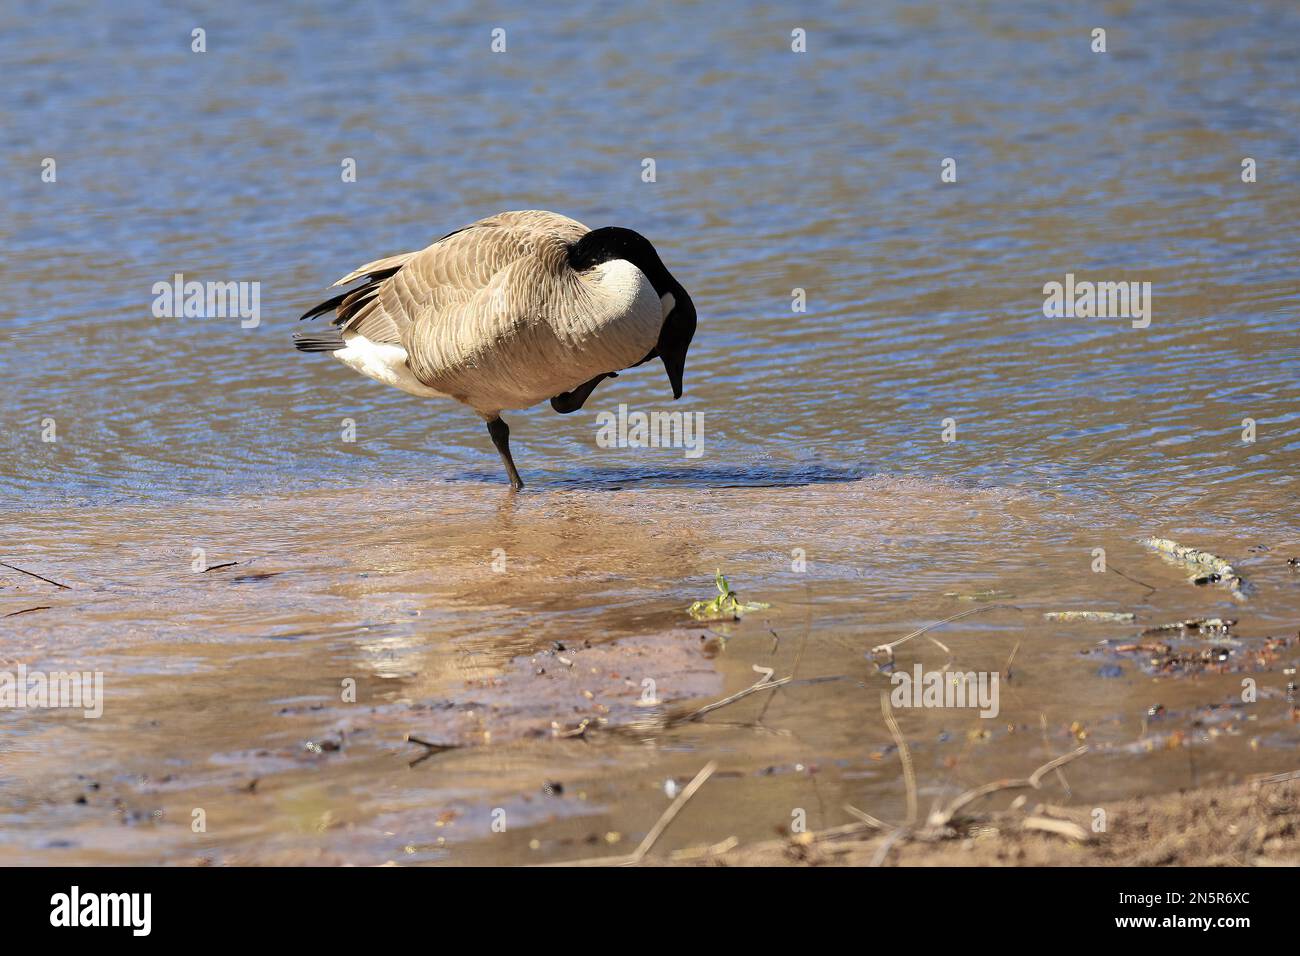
(384,363)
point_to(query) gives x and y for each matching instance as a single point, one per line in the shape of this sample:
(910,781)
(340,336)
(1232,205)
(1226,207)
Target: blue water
(775,170)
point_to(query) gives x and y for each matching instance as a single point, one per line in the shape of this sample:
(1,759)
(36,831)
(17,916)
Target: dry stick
(798,654)
(889,648)
(1060,774)
(1065,828)
(866,818)
(637,855)
(1278,778)
(888,844)
(674,808)
(844,830)
(904,755)
(1007,670)
(1034,780)
(33,574)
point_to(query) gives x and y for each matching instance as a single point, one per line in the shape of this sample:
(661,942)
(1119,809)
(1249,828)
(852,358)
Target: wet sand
(519,632)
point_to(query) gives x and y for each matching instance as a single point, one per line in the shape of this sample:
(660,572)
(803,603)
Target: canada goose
(508,311)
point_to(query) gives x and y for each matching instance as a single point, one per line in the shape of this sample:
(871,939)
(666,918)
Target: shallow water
(374,560)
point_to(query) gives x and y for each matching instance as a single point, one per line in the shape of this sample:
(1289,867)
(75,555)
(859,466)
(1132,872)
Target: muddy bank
(502,679)
(1255,824)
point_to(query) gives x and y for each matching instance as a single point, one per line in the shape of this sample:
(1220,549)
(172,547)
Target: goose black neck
(614,242)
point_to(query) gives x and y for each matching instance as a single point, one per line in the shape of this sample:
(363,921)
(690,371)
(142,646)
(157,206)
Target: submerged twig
(1060,774)
(763,683)
(28,610)
(665,820)
(889,648)
(673,809)
(941,818)
(1151,588)
(33,574)
(904,755)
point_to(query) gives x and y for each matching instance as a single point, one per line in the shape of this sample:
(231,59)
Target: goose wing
(416,288)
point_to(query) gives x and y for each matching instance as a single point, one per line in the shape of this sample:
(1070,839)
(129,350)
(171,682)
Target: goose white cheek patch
(667,301)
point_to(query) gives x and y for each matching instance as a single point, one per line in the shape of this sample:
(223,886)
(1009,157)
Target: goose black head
(614,242)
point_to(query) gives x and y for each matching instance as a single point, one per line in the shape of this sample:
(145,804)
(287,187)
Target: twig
(888,844)
(699,852)
(656,831)
(33,574)
(1149,587)
(1060,774)
(904,755)
(673,809)
(867,818)
(1007,669)
(798,654)
(1278,778)
(218,567)
(1034,780)
(844,830)
(430,748)
(28,610)
(889,648)
(1071,831)
(763,683)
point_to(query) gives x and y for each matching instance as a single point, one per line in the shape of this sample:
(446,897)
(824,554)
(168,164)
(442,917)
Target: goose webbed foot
(500,433)
(574,400)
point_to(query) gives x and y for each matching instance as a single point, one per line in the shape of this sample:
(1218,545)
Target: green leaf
(727,606)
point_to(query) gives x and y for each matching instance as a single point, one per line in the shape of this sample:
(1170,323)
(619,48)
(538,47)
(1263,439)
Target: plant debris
(1215,626)
(727,606)
(1169,658)
(1220,571)
(1098,617)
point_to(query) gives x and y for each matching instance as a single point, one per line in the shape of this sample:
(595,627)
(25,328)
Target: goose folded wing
(424,286)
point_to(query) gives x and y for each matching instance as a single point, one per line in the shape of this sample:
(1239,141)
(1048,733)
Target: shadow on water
(707,476)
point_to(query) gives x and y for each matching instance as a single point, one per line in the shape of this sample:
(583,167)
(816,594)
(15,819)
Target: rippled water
(776,171)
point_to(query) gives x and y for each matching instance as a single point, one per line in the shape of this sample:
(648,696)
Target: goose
(507,312)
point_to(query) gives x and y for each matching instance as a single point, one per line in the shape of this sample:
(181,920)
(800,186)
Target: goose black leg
(500,433)
(574,400)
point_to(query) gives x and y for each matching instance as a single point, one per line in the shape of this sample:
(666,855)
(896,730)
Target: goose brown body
(507,312)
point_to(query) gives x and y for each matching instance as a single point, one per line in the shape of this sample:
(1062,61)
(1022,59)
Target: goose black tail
(319,340)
